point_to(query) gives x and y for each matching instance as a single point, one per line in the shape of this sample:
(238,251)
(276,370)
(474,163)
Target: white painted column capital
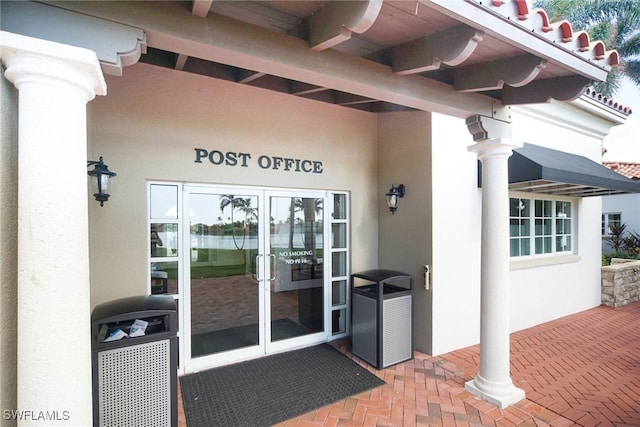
(493,147)
(54,83)
(28,59)
(500,148)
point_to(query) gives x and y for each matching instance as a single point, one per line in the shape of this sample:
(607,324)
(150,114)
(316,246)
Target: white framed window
(164,229)
(609,219)
(540,227)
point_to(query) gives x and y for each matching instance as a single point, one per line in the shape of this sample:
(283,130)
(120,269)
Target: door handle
(255,275)
(272,268)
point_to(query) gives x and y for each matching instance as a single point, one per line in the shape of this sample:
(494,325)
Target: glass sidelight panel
(225,301)
(164,277)
(297,262)
(163,201)
(164,240)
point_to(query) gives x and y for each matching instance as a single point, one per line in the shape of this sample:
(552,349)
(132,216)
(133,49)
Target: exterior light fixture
(101,178)
(393,195)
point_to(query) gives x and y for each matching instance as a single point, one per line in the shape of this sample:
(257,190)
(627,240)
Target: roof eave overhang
(227,42)
(520,35)
(615,117)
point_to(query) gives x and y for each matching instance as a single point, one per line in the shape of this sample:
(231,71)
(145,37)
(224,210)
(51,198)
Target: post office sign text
(244,160)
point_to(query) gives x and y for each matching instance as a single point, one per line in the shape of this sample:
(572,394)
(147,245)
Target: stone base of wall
(621,282)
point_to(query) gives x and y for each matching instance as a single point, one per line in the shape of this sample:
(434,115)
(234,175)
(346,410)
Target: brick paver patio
(580,370)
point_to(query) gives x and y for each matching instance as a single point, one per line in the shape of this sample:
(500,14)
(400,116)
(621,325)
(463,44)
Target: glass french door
(295,298)
(255,273)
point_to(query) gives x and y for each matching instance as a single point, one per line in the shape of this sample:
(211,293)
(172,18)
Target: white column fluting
(493,381)
(54,83)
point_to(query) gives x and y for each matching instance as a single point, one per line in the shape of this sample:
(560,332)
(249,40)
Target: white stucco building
(228,122)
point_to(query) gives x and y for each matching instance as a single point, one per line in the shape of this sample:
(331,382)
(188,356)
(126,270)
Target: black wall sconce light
(101,180)
(393,195)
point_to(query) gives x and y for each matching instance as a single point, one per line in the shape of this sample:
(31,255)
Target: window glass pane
(514,228)
(514,245)
(563,243)
(339,234)
(164,277)
(539,227)
(538,208)
(525,227)
(339,321)
(513,207)
(339,264)
(563,209)
(519,207)
(339,293)
(164,240)
(339,206)
(525,247)
(164,201)
(526,208)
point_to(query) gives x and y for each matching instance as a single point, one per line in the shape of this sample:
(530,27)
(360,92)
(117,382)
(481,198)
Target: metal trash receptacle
(135,377)
(381,317)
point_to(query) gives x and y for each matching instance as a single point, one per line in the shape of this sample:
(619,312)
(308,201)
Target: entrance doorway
(255,277)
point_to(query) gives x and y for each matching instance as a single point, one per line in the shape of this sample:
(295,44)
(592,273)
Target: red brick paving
(580,370)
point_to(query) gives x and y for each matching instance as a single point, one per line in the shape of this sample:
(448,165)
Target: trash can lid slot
(378,275)
(135,304)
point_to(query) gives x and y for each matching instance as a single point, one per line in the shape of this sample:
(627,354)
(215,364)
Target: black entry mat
(272,389)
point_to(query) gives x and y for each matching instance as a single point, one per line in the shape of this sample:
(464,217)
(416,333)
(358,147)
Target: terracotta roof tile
(608,102)
(628,169)
(560,33)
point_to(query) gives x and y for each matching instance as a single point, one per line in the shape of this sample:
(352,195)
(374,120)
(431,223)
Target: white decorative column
(54,83)
(494,147)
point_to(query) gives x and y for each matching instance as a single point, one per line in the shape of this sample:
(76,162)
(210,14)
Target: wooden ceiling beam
(539,91)
(335,22)
(299,88)
(343,98)
(247,76)
(201,7)
(180,61)
(452,46)
(517,71)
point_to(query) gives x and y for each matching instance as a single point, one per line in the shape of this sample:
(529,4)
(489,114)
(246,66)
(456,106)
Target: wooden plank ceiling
(502,49)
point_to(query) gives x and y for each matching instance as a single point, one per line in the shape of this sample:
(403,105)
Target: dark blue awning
(543,170)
